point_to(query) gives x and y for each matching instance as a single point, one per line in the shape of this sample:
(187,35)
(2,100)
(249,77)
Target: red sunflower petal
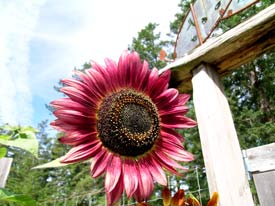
(115,194)
(89,81)
(123,69)
(168,100)
(143,77)
(74,117)
(166,162)
(113,173)
(130,177)
(183,98)
(65,127)
(109,73)
(160,85)
(76,137)
(135,67)
(67,103)
(170,105)
(157,84)
(175,151)
(156,171)
(77,85)
(100,162)
(171,134)
(179,110)
(168,95)
(78,96)
(145,184)
(98,82)
(176,121)
(82,152)
(112,72)
(153,77)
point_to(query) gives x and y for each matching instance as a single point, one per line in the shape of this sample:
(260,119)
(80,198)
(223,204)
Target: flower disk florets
(128,123)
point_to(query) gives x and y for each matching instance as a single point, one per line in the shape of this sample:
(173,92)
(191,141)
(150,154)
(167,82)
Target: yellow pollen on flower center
(128,123)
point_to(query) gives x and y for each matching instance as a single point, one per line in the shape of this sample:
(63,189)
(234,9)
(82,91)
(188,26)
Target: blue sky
(42,41)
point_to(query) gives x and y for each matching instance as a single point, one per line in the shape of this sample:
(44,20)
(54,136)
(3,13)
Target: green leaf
(23,135)
(4,136)
(23,200)
(57,163)
(52,164)
(30,144)
(3,151)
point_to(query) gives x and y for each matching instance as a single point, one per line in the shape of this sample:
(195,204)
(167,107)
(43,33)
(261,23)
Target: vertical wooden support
(5,164)
(222,154)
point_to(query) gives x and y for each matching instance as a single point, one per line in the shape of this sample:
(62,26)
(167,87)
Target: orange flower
(179,199)
(192,201)
(214,200)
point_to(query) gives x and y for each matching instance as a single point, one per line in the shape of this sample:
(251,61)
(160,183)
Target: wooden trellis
(200,70)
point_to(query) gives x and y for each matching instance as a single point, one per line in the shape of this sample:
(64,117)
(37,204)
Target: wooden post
(5,164)
(261,163)
(222,154)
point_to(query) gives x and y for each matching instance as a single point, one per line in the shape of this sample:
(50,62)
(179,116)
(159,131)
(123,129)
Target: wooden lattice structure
(200,70)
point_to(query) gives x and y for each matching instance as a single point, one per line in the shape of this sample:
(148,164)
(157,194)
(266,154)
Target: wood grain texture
(261,159)
(221,151)
(228,51)
(265,185)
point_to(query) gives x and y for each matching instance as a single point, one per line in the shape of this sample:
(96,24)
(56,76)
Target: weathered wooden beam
(261,159)
(220,146)
(228,51)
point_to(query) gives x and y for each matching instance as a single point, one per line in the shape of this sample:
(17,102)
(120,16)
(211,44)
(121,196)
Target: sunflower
(124,117)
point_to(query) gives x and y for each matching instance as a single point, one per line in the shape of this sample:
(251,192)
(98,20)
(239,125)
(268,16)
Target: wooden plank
(228,51)
(265,185)
(221,151)
(261,159)
(5,164)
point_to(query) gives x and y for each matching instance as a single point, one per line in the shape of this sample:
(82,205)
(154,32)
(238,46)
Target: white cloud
(17,19)
(68,33)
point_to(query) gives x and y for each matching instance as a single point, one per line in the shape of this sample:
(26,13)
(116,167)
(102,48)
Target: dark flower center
(128,123)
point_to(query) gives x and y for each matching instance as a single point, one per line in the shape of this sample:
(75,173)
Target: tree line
(251,94)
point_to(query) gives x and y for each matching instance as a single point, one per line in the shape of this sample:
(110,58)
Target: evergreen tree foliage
(251,94)
(250,91)
(148,45)
(70,185)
